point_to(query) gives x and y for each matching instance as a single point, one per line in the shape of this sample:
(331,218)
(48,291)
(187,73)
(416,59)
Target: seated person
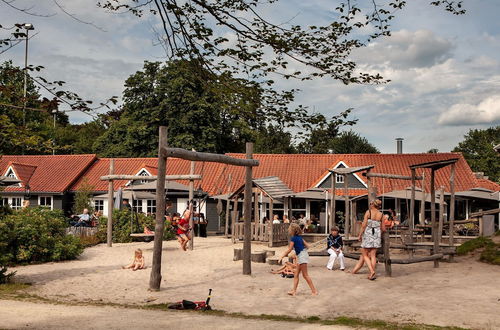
(334,248)
(147,231)
(83,219)
(138,262)
(289,268)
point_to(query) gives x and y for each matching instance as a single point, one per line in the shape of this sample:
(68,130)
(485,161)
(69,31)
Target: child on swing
(300,246)
(138,262)
(183,230)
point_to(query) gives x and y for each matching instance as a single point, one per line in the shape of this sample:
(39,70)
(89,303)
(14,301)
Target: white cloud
(486,112)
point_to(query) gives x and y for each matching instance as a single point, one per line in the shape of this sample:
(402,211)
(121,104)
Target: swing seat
(143,237)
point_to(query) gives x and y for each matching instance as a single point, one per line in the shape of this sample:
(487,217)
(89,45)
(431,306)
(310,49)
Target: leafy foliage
(213,113)
(477,148)
(83,197)
(126,223)
(36,235)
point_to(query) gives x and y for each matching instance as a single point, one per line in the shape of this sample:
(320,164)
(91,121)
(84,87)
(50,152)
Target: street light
(27,27)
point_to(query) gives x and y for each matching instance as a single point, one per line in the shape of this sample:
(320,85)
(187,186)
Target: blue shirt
(298,243)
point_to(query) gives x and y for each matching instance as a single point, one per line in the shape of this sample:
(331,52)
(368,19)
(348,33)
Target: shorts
(303,257)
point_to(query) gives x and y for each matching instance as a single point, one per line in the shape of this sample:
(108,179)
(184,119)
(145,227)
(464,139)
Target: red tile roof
(46,173)
(299,172)
(488,184)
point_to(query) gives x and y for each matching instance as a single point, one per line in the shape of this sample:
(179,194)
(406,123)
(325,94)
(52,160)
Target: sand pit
(466,293)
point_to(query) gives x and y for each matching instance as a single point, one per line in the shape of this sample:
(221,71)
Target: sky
(444,69)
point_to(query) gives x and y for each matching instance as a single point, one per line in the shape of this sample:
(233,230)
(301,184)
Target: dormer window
(339,178)
(143,173)
(11,174)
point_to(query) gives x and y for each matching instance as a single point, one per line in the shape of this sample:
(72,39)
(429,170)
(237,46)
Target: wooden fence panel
(81,231)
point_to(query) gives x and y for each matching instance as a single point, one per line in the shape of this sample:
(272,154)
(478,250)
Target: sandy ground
(48,316)
(465,293)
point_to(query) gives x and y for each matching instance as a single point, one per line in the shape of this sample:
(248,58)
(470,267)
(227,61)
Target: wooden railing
(262,233)
(81,231)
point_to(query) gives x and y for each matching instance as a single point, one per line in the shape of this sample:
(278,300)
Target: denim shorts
(303,257)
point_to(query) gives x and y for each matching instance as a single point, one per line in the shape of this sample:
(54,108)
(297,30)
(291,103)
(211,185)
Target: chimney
(399,145)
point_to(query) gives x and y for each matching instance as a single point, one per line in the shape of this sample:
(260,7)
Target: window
(339,178)
(5,201)
(151,206)
(16,203)
(11,174)
(137,206)
(99,205)
(45,201)
(143,173)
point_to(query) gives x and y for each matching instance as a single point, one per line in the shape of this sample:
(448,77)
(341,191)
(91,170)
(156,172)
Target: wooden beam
(208,157)
(247,210)
(412,207)
(441,213)
(110,205)
(235,219)
(228,204)
(346,213)
(481,213)
(435,165)
(191,198)
(155,277)
(150,178)
(435,225)
(332,203)
(422,202)
(270,221)
(390,176)
(451,216)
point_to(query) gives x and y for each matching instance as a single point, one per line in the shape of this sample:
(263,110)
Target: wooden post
(441,213)
(256,206)
(451,216)
(235,218)
(347,213)
(191,199)
(435,224)
(355,228)
(228,204)
(412,208)
(422,202)
(110,204)
(247,209)
(270,224)
(333,204)
(155,277)
(387,256)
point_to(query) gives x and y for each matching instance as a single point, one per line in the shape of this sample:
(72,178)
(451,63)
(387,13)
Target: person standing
(300,246)
(371,236)
(203,225)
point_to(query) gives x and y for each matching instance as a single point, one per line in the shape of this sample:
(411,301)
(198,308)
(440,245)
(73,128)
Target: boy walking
(335,246)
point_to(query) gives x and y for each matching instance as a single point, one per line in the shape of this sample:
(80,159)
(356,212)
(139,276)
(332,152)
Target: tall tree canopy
(477,148)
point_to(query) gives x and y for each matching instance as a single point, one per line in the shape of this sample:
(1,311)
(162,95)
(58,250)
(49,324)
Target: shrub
(36,235)
(126,223)
(474,244)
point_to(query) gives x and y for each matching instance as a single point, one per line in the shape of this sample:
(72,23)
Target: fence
(262,233)
(81,231)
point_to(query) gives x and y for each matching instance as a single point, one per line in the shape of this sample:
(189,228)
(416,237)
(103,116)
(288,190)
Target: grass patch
(490,254)
(474,244)
(12,288)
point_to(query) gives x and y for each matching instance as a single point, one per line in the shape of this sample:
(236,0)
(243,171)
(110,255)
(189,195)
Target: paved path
(28,315)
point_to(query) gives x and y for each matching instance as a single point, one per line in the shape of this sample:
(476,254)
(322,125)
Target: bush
(36,235)
(474,244)
(126,223)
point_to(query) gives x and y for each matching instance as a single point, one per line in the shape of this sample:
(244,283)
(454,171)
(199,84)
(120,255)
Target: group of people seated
(85,219)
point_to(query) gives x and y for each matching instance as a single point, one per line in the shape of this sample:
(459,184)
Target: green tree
(350,142)
(477,148)
(207,112)
(273,139)
(83,197)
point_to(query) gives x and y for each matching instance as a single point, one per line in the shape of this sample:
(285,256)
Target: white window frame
(150,206)
(339,178)
(51,201)
(12,174)
(10,200)
(100,207)
(5,201)
(142,172)
(138,205)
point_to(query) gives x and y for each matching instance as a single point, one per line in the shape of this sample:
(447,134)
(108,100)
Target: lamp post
(27,27)
(54,112)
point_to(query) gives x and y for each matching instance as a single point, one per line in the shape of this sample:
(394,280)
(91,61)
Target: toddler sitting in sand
(289,268)
(138,262)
